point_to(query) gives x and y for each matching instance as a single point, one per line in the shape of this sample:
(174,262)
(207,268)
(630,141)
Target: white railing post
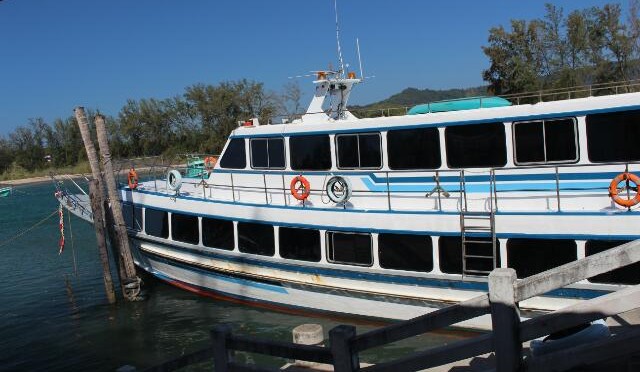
(505,319)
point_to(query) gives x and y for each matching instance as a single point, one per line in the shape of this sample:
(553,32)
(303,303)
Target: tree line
(198,121)
(588,46)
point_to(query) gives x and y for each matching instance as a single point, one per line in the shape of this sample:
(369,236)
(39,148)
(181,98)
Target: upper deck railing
(556,175)
(544,95)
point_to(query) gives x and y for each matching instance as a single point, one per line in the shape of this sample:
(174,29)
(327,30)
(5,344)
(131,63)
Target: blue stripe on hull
(376,277)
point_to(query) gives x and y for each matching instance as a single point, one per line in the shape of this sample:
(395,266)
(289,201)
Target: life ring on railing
(174,180)
(300,187)
(132,179)
(614,192)
(210,162)
(338,189)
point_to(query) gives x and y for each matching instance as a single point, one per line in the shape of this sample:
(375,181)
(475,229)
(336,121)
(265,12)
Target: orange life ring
(132,179)
(210,162)
(300,187)
(614,192)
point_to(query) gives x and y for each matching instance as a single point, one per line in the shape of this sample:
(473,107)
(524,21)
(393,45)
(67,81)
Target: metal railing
(448,184)
(543,95)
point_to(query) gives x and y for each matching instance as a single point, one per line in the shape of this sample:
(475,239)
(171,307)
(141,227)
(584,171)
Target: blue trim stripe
(376,277)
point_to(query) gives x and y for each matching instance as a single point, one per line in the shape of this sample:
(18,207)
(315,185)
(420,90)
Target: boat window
(300,244)
(217,233)
(405,252)
(414,148)
(532,256)
(184,228)
(479,255)
(156,223)
(359,151)
(132,216)
(477,145)
(629,274)
(267,153)
(613,136)
(256,238)
(545,141)
(349,248)
(234,156)
(310,152)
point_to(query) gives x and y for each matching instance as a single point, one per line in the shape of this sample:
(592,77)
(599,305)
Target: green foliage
(587,46)
(199,121)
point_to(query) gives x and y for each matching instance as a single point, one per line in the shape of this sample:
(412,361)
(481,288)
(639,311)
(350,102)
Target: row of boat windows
(395,251)
(610,137)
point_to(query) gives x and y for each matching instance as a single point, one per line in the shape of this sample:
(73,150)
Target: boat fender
(593,331)
(338,189)
(614,191)
(300,187)
(132,179)
(174,180)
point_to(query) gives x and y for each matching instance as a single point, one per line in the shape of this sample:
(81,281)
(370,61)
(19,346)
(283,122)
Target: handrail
(554,94)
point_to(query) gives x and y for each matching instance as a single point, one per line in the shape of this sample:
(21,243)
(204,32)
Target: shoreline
(30,180)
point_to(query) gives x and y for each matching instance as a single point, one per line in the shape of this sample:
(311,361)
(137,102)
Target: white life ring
(338,189)
(174,180)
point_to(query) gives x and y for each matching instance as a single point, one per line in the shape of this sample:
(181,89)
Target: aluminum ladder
(478,232)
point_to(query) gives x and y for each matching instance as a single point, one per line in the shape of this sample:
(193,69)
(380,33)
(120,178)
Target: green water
(54,315)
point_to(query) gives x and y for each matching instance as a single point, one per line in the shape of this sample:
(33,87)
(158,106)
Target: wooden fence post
(221,356)
(345,359)
(505,319)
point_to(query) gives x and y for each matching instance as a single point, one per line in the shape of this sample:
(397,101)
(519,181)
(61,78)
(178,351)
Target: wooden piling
(132,287)
(98,223)
(98,195)
(505,319)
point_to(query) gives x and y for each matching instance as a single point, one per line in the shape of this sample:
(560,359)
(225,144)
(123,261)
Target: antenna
(335,5)
(359,59)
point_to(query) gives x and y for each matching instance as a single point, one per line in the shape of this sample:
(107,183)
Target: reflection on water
(52,319)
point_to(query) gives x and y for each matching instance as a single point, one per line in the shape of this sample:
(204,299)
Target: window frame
(357,135)
(294,138)
(576,135)
(449,153)
(389,149)
(330,248)
(284,151)
(222,156)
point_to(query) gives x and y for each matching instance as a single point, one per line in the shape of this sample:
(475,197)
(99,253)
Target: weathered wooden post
(92,156)
(221,356)
(98,223)
(505,319)
(345,359)
(132,285)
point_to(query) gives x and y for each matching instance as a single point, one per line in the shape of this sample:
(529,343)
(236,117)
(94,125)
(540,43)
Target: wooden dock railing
(506,339)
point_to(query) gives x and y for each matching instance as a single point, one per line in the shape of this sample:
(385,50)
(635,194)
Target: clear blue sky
(55,55)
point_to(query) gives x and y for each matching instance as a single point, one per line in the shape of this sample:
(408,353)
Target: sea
(54,314)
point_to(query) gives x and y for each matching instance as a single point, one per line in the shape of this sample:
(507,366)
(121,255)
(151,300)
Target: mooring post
(132,286)
(505,319)
(98,224)
(221,356)
(345,359)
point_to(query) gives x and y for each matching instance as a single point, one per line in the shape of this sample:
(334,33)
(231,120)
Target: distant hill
(414,96)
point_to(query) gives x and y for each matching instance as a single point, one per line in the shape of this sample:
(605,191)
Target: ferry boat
(394,217)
